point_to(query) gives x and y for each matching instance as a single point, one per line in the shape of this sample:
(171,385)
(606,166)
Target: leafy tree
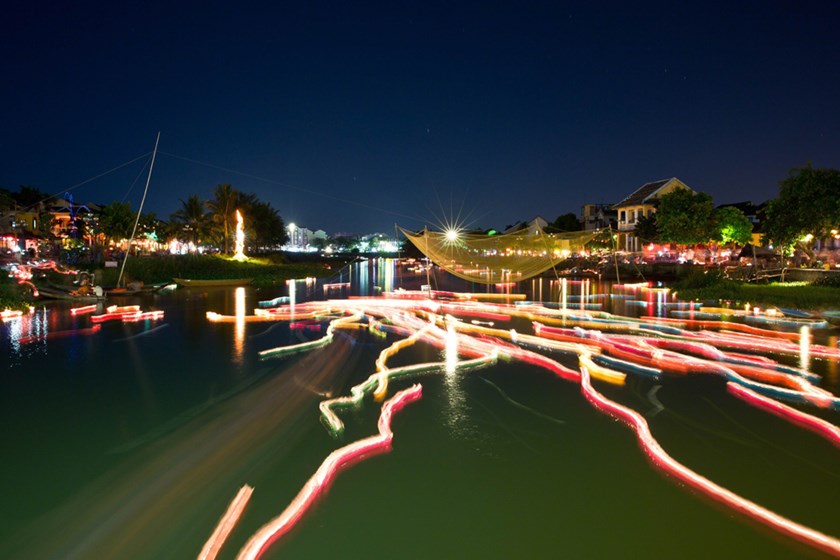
(167,231)
(192,217)
(29,197)
(117,220)
(685,217)
(7,201)
(565,222)
(149,224)
(808,203)
(223,208)
(265,225)
(344,244)
(646,230)
(733,226)
(45,224)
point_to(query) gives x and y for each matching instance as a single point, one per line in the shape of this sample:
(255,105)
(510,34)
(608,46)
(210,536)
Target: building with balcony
(598,216)
(639,203)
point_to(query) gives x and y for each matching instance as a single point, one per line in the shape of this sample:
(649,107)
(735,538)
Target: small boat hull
(832,316)
(187,283)
(48,293)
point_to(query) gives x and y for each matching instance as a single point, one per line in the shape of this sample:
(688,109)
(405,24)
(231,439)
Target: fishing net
(492,259)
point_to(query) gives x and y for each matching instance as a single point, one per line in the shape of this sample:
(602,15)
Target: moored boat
(831,315)
(53,293)
(136,288)
(189,283)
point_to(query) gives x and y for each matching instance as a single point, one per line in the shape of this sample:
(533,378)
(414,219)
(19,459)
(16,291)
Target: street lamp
(292,228)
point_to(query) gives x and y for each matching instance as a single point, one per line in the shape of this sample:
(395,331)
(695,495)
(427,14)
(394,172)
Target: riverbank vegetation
(14,296)
(713,286)
(271,270)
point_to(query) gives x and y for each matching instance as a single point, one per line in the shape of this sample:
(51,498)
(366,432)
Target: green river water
(122,446)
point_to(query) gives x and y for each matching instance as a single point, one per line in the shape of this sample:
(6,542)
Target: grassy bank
(793,295)
(266,272)
(14,296)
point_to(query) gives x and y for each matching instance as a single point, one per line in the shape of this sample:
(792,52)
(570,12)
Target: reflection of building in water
(363,279)
(299,294)
(384,274)
(32,327)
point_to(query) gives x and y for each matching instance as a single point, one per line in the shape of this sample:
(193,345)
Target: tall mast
(142,200)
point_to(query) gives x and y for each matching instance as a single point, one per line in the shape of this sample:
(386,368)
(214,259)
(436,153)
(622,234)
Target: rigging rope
(86,181)
(492,259)
(287,185)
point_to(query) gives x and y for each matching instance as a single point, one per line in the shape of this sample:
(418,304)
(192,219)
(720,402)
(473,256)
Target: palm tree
(116,221)
(30,197)
(7,201)
(225,201)
(192,216)
(265,226)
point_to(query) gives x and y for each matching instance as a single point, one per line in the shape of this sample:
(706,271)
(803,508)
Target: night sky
(360,116)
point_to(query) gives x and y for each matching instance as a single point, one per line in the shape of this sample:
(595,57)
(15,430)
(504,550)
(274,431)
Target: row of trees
(215,219)
(31,199)
(682,217)
(807,208)
(210,221)
(688,218)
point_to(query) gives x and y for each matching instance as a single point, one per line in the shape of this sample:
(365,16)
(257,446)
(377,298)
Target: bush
(14,295)
(697,279)
(708,284)
(828,280)
(266,271)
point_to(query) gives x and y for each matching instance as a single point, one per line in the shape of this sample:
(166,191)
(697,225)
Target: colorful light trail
(606,346)
(322,479)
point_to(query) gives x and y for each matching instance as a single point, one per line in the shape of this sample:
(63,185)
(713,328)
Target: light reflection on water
(805,348)
(457,416)
(832,375)
(195,435)
(27,334)
(239,328)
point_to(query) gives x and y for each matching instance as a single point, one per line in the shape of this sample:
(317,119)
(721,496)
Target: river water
(131,441)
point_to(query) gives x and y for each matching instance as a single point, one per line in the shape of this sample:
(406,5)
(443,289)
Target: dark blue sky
(363,115)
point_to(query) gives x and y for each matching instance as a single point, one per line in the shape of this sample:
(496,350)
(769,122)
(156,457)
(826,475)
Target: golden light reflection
(389,275)
(628,345)
(563,295)
(457,411)
(832,375)
(805,348)
(239,328)
(451,352)
(584,294)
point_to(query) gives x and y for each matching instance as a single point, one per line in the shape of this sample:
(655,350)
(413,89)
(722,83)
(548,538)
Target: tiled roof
(639,195)
(537,220)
